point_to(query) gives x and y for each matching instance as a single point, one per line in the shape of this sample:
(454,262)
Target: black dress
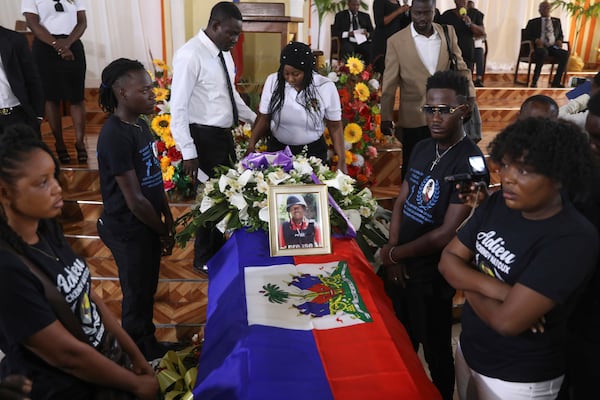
(381,8)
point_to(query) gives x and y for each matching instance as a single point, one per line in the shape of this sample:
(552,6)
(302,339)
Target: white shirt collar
(415,33)
(206,41)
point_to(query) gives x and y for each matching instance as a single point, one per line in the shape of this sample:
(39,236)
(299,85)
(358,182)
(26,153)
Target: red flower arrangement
(358,87)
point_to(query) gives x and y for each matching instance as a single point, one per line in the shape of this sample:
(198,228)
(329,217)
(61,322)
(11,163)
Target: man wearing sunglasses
(425,217)
(413,55)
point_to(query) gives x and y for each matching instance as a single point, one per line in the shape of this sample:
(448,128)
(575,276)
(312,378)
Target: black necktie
(230,89)
(354,22)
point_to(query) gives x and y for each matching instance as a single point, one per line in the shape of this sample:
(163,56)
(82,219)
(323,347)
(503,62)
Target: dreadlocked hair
(111,75)
(297,55)
(556,149)
(16,143)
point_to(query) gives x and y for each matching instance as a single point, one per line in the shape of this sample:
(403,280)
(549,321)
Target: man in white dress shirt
(205,105)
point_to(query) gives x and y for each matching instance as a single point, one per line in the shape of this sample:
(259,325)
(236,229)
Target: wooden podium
(269,18)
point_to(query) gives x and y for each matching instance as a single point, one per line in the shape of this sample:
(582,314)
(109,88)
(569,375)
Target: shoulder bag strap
(57,301)
(453,64)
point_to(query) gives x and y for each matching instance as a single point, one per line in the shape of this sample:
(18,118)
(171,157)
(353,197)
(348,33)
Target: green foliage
(274,294)
(578,10)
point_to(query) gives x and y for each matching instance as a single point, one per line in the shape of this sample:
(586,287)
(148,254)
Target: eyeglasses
(58,6)
(441,108)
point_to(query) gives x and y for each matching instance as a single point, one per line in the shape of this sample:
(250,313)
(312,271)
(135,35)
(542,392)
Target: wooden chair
(336,47)
(527,55)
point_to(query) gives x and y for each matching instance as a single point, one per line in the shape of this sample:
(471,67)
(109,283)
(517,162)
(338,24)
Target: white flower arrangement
(237,198)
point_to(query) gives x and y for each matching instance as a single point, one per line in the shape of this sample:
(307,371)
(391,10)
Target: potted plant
(577,9)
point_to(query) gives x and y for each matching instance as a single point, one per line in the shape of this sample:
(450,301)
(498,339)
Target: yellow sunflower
(161,93)
(352,133)
(355,65)
(160,64)
(348,157)
(161,124)
(165,162)
(327,137)
(361,92)
(168,174)
(168,139)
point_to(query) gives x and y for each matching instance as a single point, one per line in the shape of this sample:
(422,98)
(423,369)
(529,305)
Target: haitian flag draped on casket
(318,327)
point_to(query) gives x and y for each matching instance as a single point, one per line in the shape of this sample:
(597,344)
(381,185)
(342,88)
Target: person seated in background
(299,232)
(539,105)
(576,110)
(514,260)
(296,105)
(478,43)
(546,32)
(347,25)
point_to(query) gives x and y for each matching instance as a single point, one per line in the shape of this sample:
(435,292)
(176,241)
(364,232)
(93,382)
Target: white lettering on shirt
(492,248)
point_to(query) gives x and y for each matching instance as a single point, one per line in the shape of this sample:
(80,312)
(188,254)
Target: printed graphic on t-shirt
(74,284)
(493,257)
(151,178)
(423,199)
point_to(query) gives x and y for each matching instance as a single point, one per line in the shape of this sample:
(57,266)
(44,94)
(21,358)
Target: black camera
(477,174)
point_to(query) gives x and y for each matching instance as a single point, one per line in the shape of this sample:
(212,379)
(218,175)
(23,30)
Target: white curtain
(116,28)
(503,23)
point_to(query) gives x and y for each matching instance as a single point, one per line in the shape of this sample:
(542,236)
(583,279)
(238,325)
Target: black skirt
(61,79)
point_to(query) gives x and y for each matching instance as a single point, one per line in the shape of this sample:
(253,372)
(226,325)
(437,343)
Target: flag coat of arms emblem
(308,327)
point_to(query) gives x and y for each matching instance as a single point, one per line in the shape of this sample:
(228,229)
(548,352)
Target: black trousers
(19,116)
(409,137)
(349,48)
(560,54)
(479,56)
(215,147)
(425,310)
(137,254)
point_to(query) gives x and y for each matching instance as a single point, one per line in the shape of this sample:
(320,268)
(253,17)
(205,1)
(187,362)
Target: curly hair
(110,76)
(449,80)
(16,144)
(556,149)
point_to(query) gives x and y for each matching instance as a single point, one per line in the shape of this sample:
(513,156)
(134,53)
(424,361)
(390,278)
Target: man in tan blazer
(413,55)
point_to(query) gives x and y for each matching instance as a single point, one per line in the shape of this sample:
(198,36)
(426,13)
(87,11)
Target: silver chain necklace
(439,156)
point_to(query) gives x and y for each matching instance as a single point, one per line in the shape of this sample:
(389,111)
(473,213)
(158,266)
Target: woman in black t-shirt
(36,343)
(521,259)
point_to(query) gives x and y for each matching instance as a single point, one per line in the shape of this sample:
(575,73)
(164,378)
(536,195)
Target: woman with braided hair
(136,223)
(34,336)
(296,105)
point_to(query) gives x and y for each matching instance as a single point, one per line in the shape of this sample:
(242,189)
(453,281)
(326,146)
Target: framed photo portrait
(299,220)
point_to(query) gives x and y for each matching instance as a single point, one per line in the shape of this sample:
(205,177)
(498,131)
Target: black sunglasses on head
(58,6)
(441,108)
